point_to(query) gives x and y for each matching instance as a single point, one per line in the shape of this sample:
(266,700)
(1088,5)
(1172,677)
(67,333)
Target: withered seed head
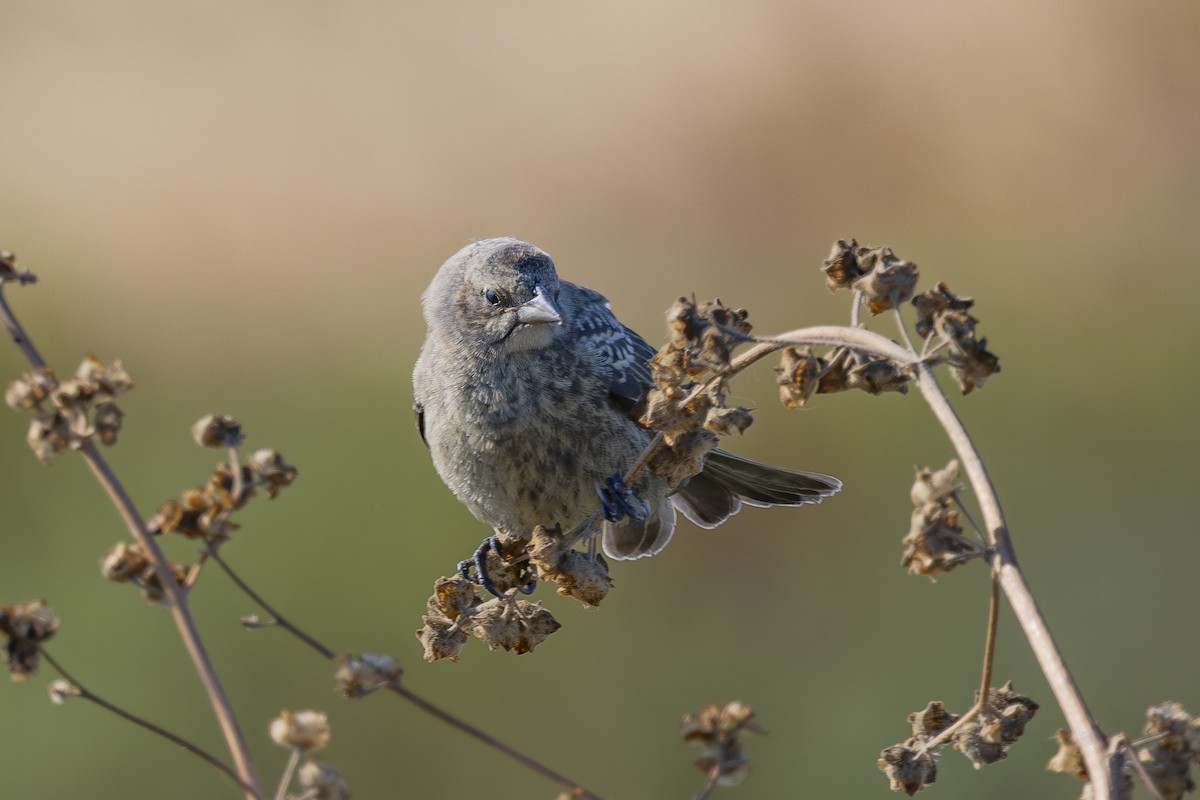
(518,625)
(453,597)
(152,586)
(931,720)
(26,625)
(1068,759)
(123,561)
(842,267)
(934,487)
(798,376)
(935,542)
(273,469)
(107,422)
(49,436)
(934,303)
(26,392)
(908,766)
(885,278)
(359,675)
(716,728)
(10,271)
(441,638)
(583,577)
(217,431)
(59,690)
(301,730)
(322,781)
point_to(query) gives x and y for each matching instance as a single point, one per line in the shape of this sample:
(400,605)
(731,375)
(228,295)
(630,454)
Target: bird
(525,393)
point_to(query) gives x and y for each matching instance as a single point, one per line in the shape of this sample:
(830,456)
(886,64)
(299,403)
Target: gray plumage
(523,393)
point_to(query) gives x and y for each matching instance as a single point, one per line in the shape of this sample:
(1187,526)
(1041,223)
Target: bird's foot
(478,561)
(617,501)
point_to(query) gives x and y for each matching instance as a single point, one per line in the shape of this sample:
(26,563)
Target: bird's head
(499,293)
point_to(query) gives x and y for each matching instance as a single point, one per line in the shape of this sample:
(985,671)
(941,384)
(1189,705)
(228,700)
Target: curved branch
(1002,557)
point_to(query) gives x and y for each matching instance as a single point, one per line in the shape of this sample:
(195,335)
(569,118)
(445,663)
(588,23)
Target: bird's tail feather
(639,539)
(727,481)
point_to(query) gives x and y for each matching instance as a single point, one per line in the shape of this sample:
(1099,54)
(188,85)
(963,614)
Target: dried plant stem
(175,598)
(571,786)
(178,605)
(943,737)
(1007,571)
(285,780)
(989,645)
(18,336)
(985,682)
(1001,556)
(87,694)
(710,784)
(1122,750)
(276,617)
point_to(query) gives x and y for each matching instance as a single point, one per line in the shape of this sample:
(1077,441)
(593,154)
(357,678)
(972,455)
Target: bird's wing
(623,354)
(419,413)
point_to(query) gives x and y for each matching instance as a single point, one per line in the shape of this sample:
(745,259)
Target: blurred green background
(244,202)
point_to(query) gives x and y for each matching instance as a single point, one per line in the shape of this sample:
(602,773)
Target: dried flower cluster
(935,542)
(64,414)
(454,611)
(12,272)
(984,738)
(26,626)
(202,512)
(801,374)
(359,675)
(884,279)
(513,564)
(308,732)
(320,781)
(688,402)
(940,312)
(987,738)
(716,728)
(59,690)
(1069,760)
(577,574)
(1173,747)
(217,430)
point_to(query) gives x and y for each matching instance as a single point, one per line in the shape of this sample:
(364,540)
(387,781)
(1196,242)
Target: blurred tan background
(244,202)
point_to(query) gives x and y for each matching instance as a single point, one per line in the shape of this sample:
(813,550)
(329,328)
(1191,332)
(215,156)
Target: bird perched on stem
(525,393)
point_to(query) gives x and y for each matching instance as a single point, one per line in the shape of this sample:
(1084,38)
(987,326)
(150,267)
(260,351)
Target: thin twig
(18,336)
(989,645)
(949,731)
(87,694)
(571,786)
(174,596)
(895,297)
(285,780)
(710,784)
(258,599)
(1119,743)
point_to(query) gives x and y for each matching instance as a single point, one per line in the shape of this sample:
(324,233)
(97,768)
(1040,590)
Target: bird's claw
(617,501)
(478,560)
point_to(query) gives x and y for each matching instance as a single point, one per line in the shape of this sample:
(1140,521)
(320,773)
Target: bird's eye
(490,295)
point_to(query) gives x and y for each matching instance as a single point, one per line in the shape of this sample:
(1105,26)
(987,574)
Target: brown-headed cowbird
(524,392)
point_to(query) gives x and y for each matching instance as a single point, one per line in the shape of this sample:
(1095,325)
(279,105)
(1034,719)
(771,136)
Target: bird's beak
(540,309)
